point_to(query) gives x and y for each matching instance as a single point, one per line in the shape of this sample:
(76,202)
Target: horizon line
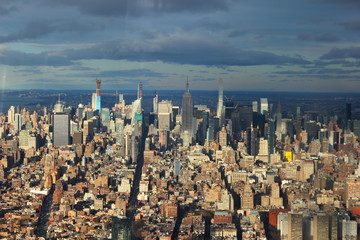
(196,90)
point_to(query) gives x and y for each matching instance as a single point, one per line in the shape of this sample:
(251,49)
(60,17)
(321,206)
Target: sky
(277,45)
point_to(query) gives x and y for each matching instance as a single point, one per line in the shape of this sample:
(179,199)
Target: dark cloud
(354,80)
(132,73)
(30,31)
(36,70)
(325,77)
(349,3)
(289,80)
(352,25)
(319,71)
(238,33)
(140,7)
(342,53)
(209,25)
(129,80)
(312,21)
(77,67)
(49,81)
(7,6)
(342,62)
(182,50)
(16,58)
(41,28)
(203,79)
(30,70)
(322,73)
(324,37)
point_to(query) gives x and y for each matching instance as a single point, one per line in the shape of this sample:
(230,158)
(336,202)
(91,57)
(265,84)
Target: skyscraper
(321,226)
(140,91)
(264,106)
(356,128)
(59,106)
(187,113)
(255,106)
(271,137)
(247,198)
(348,122)
(165,115)
(155,102)
(93,101)
(295,226)
(11,114)
(220,105)
(98,95)
(18,121)
(278,120)
(348,112)
(177,167)
(223,137)
(136,113)
(254,145)
(61,125)
(61,129)
(246,116)
(119,126)
(347,229)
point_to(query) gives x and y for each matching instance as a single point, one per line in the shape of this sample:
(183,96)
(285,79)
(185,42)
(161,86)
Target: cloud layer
(177,49)
(250,44)
(140,7)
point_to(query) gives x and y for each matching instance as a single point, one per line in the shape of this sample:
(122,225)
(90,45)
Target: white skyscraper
(255,106)
(220,105)
(264,106)
(165,115)
(11,114)
(155,102)
(136,110)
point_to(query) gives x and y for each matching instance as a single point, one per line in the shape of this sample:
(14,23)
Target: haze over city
(310,45)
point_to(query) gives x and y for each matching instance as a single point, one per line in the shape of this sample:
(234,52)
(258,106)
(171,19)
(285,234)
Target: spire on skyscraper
(59,106)
(187,84)
(278,109)
(98,87)
(140,91)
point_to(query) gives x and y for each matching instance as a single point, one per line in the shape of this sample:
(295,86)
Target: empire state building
(187,115)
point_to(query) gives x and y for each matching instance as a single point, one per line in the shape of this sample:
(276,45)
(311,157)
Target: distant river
(8,99)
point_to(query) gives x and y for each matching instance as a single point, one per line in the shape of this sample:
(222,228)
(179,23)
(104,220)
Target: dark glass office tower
(271,136)
(348,112)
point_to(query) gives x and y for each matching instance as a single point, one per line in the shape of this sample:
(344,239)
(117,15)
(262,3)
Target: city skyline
(308,46)
(182,169)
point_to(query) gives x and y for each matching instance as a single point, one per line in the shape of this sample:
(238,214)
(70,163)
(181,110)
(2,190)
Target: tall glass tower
(98,95)
(220,106)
